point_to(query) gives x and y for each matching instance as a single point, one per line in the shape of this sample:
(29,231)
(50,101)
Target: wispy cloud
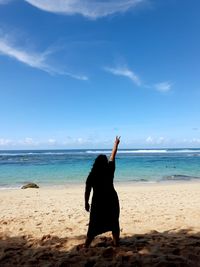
(126,72)
(163,86)
(32,59)
(91,9)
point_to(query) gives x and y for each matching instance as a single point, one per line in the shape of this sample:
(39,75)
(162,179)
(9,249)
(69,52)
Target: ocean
(61,167)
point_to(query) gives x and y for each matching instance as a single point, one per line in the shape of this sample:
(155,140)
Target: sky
(74,74)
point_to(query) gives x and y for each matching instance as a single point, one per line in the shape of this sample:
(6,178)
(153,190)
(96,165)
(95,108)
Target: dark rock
(30,185)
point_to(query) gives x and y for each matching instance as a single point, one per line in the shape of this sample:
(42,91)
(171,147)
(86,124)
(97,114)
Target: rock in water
(30,185)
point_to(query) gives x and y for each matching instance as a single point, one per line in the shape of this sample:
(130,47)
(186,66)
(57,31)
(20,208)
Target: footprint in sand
(69,229)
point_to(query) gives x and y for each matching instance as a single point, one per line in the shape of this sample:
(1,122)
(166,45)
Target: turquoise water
(58,167)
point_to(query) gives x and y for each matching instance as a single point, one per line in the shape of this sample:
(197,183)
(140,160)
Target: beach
(159,225)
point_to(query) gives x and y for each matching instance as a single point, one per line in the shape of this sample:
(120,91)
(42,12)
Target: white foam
(9,188)
(148,151)
(98,151)
(127,151)
(185,151)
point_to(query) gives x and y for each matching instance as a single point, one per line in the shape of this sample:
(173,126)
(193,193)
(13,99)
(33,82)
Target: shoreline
(77,184)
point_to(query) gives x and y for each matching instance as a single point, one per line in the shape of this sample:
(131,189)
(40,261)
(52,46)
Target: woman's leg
(88,241)
(115,238)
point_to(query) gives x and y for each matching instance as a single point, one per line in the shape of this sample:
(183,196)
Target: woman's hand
(115,147)
(87,206)
(117,140)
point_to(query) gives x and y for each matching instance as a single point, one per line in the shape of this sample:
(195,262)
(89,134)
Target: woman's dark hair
(100,163)
(99,167)
(98,173)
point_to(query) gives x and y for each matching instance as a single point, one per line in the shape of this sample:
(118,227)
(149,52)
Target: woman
(104,213)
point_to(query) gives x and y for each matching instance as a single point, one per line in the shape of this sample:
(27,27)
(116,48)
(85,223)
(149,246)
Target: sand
(160,226)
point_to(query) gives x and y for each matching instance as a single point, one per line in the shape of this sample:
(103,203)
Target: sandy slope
(160,225)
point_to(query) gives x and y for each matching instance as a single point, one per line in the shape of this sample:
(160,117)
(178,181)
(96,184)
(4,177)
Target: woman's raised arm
(115,147)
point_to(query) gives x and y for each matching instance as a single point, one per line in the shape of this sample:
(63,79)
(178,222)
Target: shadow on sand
(167,249)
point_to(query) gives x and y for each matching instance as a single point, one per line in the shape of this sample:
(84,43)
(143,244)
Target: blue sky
(73,74)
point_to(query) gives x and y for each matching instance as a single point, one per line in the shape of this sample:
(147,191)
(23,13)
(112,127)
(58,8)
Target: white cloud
(80,140)
(89,8)
(5,142)
(161,140)
(32,59)
(126,72)
(28,141)
(149,140)
(163,86)
(52,141)
(75,76)
(192,141)
(156,141)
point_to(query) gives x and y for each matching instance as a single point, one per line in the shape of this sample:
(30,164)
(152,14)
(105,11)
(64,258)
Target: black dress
(104,213)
